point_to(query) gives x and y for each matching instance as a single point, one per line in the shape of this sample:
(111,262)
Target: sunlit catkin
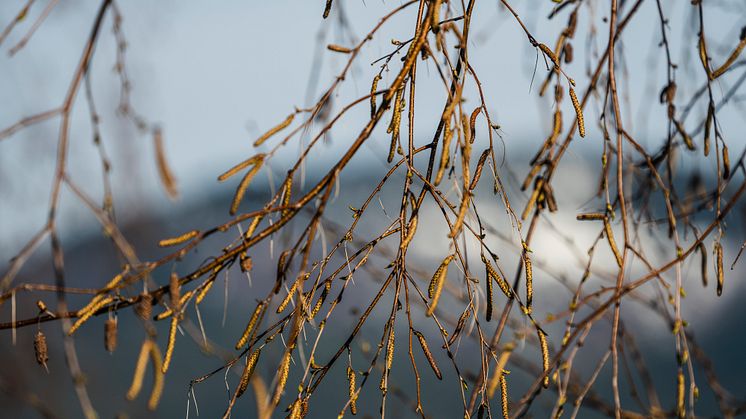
(428,355)
(178,240)
(373,88)
(578,112)
(171,343)
(287,194)
(110,335)
(240,166)
(274,130)
(284,303)
(164,171)
(492,274)
(680,394)
(504,394)
(87,315)
(251,325)
(445,151)
(544,355)
(528,268)
(142,362)
(40,349)
(436,284)
(479,168)
(241,189)
(282,377)
(158,377)
(248,371)
(351,390)
(612,243)
(502,361)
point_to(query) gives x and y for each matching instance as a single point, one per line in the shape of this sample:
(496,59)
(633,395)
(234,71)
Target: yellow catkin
(492,274)
(428,355)
(538,185)
(169,312)
(296,410)
(100,296)
(252,227)
(40,349)
(171,343)
(719,267)
(142,362)
(110,335)
(680,395)
(338,48)
(164,171)
(528,267)
(612,243)
(435,21)
(578,112)
(411,229)
(204,290)
(158,377)
(287,194)
(284,303)
(320,300)
(373,88)
(436,284)
(94,301)
(478,170)
(274,130)
(444,153)
(395,124)
(248,371)
(389,359)
(591,216)
(282,378)
(251,325)
(241,189)
(351,390)
(544,355)
(504,395)
(390,349)
(502,361)
(732,58)
(703,55)
(463,208)
(240,166)
(178,240)
(87,315)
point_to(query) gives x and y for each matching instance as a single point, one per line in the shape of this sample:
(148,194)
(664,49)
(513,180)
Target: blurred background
(214,76)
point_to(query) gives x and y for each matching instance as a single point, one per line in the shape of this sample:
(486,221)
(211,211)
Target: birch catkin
(40,349)
(274,130)
(253,320)
(436,284)
(578,112)
(248,371)
(351,390)
(428,355)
